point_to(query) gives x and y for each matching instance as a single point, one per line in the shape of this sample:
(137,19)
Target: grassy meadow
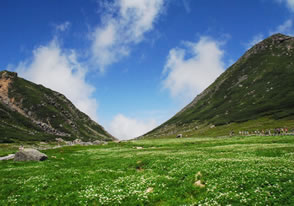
(256,170)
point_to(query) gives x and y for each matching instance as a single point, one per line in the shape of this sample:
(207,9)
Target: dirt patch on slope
(4,85)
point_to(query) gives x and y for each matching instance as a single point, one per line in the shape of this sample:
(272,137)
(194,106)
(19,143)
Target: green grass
(238,171)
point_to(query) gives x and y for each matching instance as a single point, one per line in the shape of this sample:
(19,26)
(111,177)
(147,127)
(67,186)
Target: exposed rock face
(30,155)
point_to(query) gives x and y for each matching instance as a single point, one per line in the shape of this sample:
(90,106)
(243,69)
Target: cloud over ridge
(61,71)
(185,77)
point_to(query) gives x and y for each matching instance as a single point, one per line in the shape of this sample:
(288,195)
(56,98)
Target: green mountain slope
(31,112)
(258,88)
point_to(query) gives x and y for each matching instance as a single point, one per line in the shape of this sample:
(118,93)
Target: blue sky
(132,64)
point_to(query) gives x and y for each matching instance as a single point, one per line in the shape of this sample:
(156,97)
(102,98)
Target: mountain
(30,112)
(257,92)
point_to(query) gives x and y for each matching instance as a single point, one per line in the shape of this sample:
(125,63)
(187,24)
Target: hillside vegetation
(32,112)
(260,85)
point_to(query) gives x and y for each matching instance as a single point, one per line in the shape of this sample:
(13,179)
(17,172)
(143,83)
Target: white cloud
(60,71)
(125,128)
(289,3)
(186,77)
(124,24)
(285,28)
(63,27)
(256,39)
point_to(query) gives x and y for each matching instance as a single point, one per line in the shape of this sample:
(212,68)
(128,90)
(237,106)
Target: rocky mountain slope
(257,92)
(31,112)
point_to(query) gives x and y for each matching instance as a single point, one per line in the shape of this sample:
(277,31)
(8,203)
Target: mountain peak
(279,37)
(7,74)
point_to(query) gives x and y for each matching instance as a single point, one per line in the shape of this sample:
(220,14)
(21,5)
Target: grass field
(257,170)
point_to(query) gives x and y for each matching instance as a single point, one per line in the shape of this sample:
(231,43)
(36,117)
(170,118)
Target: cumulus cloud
(188,76)
(285,28)
(125,128)
(256,39)
(124,23)
(60,71)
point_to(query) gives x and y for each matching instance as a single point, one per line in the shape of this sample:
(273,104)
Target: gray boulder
(30,155)
(86,143)
(77,141)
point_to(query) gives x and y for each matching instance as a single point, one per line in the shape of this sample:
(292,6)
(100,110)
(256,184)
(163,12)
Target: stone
(69,143)
(179,136)
(97,142)
(59,140)
(8,157)
(30,155)
(77,141)
(139,147)
(86,143)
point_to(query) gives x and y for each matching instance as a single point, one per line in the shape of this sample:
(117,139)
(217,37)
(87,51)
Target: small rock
(86,143)
(139,147)
(59,140)
(97,142)
(77,141)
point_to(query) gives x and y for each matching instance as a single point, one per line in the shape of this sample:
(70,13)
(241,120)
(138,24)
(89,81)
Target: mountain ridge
(33,112)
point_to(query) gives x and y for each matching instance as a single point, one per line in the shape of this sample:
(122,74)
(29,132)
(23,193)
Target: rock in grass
(8,157)
(97,142)
(139,147)
(30,155)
